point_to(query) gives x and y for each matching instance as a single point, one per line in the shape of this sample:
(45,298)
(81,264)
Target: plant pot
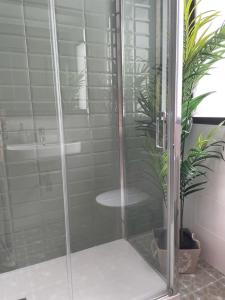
(187,258)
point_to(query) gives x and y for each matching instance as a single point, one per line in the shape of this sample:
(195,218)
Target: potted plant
(202,49)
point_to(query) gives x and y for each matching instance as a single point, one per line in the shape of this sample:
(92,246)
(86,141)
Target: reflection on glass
(112,257)
(32,223)
(80,79)
(145,127)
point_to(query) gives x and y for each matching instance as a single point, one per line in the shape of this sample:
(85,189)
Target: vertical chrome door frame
(120,109)
(175,67)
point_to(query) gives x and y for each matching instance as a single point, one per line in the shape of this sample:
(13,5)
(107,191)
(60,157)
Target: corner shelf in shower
(132,196)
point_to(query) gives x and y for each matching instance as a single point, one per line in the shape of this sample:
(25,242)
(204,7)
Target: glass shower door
(33,260)
(146,152)
(152,54)
(89,148)
(115,65)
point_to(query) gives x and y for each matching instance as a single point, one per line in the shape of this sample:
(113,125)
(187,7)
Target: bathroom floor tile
(222,280)
(213,291)
(198,280)
(206,284)
(183,290)
(188,297)
(210,270)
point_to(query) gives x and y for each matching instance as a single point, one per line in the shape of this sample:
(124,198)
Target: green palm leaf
(202,49)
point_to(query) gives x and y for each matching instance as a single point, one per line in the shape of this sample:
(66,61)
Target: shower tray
(114,270)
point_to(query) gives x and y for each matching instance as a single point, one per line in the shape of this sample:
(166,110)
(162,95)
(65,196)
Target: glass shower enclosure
(89,148)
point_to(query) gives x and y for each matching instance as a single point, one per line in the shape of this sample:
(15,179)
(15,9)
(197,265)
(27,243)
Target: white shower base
(112,271)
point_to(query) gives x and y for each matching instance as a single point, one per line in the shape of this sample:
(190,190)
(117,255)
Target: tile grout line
(203,287)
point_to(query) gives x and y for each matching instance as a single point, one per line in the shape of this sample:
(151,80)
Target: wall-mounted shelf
(113,198)
(45,150)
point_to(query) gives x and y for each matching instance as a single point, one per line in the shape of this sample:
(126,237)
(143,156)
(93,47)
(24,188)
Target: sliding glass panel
(87,83)
(32,224)
(115,217)
(145,101)
(61,75)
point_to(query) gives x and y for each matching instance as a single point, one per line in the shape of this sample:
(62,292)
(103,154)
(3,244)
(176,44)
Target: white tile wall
(205,210)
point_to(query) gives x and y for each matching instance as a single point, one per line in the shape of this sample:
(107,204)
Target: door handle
(161,139)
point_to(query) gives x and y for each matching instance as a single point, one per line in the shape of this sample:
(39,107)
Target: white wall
(214,105)
(205,210)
